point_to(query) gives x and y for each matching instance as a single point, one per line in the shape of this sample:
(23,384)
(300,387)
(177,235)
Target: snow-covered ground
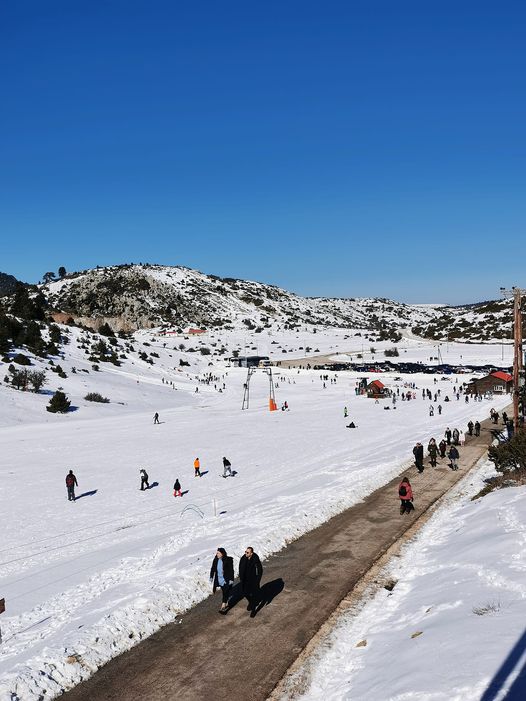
(452,629)
(86,580)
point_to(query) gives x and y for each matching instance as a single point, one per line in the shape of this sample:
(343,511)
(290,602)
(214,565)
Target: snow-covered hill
(130,297)
(142,296)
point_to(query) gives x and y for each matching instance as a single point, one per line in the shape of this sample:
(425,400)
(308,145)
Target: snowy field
(84,581)
(452,629)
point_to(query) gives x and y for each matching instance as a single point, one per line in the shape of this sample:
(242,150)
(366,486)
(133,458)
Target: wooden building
(377,390)
(497,382)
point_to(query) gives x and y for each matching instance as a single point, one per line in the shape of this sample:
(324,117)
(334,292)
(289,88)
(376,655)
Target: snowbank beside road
(453,618)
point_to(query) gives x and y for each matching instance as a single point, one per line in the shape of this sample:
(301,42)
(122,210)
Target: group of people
(436,450)
(250,573)
(71,480)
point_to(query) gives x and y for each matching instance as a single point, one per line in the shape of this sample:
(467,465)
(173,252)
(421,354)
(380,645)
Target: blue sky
(333,148)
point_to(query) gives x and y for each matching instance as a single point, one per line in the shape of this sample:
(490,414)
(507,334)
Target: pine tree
(58,403)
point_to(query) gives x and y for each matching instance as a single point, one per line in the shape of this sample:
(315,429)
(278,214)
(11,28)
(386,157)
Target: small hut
(377,390)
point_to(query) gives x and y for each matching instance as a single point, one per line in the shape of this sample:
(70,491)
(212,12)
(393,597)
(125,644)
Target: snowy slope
(461,588)
(89,579)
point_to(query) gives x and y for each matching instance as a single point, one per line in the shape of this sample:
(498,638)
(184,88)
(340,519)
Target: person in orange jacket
(197,467)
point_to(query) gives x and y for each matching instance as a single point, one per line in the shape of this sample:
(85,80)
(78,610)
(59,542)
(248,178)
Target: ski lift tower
(246,388)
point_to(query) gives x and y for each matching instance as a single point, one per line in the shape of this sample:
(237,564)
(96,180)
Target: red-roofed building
(377,390)
(497,382)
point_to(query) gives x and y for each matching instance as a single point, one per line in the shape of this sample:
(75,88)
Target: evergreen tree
(62,272)
(58,403)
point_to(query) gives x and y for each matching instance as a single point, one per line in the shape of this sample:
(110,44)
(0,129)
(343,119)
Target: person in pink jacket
(405,493)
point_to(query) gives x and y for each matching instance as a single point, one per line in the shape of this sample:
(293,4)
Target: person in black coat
(222,576)
(250,573)
(418,452)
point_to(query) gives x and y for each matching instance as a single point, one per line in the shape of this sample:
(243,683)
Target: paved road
(208,656)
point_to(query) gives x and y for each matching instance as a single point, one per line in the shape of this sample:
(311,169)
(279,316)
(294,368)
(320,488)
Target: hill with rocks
(130,297)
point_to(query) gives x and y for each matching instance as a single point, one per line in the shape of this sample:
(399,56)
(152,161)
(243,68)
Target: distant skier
(227,468)
(345,412)
(144,480)
(177,489)
(197,468)
(477,428)
(222,575)
(405,494)
(431,411)
(439,409)
(453,456)
(250,573)
(156,418)
(71,483)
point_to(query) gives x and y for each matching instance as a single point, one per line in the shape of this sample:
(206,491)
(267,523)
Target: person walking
(447,434)
(418,452)
(177,488)
(431,411)
(250,573)
(144,479)
(439,409)
(197,468)
(156,418)
(456,436)
(227,468)
(477,428)
(222,576)
(442,447)
(432,450)
(453,456)
(462,438)
(470,428)
(345,412)
(405,494)
(71,483)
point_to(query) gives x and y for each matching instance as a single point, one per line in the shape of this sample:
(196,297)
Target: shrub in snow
(96,397)
(58,403)
(21,359)
(510,455)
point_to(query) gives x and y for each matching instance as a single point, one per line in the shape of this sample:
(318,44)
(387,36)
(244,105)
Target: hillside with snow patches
(143,296)
(131,297)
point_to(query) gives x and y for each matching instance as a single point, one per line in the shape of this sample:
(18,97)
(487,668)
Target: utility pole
(518,372)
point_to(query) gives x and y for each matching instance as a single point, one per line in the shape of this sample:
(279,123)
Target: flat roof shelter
(247,361)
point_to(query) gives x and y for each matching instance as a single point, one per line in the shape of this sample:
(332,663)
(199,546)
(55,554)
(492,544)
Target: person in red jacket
(405,494)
